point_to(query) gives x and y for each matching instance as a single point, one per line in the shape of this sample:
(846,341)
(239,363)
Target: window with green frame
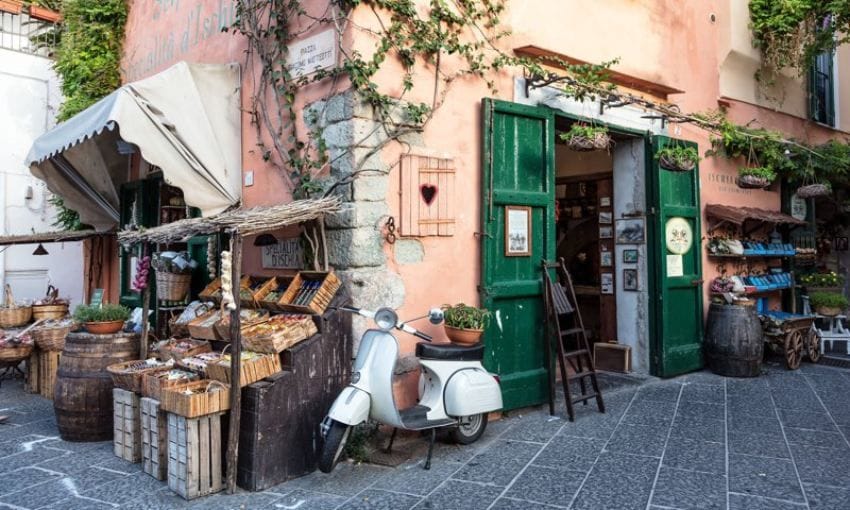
(822,89)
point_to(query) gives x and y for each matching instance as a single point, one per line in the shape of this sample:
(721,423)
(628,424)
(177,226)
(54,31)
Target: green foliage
(66,219)
(466,317)
(791,33)
(89,54)
(581,130)
(107,313)
(830,279)
(679,155)
(358,440)
(828,300)
(758,171)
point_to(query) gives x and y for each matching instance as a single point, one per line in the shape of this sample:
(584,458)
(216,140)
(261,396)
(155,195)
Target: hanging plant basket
(597,142)
(814,190)
(675,165)
(753,182)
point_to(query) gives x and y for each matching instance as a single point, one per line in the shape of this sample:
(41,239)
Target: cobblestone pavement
(698,441)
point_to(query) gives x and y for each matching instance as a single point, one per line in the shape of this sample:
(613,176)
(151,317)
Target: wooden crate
(251,371)
(41,372)
(127,425)
(154,439)
(195,455)
(612,357)
(328,284)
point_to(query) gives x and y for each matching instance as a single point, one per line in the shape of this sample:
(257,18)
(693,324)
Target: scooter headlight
(386,319)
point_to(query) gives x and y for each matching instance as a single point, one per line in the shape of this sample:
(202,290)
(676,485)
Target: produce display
(175,348)
(7,340)
(52,298)
(55,323)
(246,316)
(298,324)
(198,363)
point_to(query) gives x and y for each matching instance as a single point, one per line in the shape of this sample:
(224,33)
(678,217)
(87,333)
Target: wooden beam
(235,364)
(551,58)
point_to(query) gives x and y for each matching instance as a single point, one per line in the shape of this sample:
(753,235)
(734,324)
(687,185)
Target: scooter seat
(450,352)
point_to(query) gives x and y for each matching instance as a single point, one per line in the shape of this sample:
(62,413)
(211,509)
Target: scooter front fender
(351,406)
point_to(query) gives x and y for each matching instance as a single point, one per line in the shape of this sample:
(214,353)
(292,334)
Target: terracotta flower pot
(104,327)
(11,6)
(462,336)
(828,311)
(45,14)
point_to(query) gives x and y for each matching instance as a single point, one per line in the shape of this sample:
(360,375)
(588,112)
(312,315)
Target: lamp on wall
(265,240)
(40,250)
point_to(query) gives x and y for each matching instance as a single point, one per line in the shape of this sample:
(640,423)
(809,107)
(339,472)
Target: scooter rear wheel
(334,445)
(470,429)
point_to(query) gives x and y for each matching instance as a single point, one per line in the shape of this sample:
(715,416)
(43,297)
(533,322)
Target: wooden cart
(791,335)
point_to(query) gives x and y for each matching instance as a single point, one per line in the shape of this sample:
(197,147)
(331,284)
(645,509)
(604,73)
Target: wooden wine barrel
(83,392)
(734,341)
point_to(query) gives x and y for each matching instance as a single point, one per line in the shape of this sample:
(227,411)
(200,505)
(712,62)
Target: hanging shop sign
(678,235)
(799,208)
(313,54)
(285,254)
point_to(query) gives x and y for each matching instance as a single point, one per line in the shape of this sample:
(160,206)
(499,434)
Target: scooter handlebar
(401,325)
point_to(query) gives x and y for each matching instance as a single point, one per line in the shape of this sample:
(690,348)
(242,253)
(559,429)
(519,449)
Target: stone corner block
(355,247)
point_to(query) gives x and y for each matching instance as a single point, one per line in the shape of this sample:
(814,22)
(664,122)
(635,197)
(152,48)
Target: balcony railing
(20,32)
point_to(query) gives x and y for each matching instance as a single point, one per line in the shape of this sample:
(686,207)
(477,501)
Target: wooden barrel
(83,393)
(734,341)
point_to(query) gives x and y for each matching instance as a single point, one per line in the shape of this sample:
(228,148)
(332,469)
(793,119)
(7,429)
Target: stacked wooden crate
(127,426)
(195,455)
(154,439)
(42,367)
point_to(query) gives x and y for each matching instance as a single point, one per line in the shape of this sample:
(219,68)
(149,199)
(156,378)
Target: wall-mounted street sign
(313,53)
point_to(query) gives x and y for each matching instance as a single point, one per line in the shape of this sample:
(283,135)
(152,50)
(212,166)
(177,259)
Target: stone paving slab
(700,441)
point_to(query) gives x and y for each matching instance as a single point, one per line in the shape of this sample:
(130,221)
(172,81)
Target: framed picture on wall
(630,256)
(604,201)
(631,231)
(630,279)
(606,258)
(606,232)
(606,281)
(517,231)
(606,217)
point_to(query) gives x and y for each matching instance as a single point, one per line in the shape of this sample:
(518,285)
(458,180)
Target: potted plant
(829,304)
(755,177)
(465,324)
(823,282)
(586,137)
(102,320)
(677,158)
(45,14)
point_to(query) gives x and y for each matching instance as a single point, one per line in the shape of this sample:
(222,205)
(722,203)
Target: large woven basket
(172,286)
(668,163)
(15,316)
(752,182)
(126,377)
(17,353)
(598,142)
(813,190)
(49,311)
(50,339)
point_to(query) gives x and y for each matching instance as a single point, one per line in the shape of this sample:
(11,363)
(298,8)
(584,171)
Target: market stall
(281,319)
(755,252)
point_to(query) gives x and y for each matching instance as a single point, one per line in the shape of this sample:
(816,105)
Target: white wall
(629,198)
(29,98)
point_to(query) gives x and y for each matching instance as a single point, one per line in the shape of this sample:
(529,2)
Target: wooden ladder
(563,318)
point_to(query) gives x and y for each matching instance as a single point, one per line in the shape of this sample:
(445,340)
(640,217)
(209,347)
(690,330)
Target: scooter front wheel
(335,441)
(469,429)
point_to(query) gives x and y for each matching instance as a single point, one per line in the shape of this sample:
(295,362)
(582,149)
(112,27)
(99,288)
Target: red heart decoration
(428,192)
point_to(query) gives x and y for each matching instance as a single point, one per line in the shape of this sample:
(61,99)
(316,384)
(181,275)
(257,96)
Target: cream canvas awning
(184,120)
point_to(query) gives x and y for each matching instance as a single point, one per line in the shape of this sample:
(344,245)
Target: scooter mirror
(435,315)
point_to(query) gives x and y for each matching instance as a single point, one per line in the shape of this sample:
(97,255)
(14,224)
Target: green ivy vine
(791,33)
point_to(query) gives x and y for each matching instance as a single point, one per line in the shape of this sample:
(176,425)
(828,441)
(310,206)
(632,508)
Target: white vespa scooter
(454,389)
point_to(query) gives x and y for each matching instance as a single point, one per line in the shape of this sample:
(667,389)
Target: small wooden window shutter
(427,192)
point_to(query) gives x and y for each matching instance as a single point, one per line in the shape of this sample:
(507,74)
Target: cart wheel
(793,349)
(813,345)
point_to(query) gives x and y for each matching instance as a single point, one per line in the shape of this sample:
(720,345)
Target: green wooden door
(518,161)
(675,253)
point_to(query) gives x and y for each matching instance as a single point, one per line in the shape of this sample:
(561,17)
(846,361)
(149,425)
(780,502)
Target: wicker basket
(668,163)
(167,351)
(752,182)
(598,142)
(197,398)
(222,327)
(813,190)
(50,339)
(156,383)
(251,370)
(131,380)
(172,286)
(279,340)
(16,353)
(49,311)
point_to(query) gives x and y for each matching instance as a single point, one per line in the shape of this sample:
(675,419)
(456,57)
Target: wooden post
(235,364)
(146,304)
